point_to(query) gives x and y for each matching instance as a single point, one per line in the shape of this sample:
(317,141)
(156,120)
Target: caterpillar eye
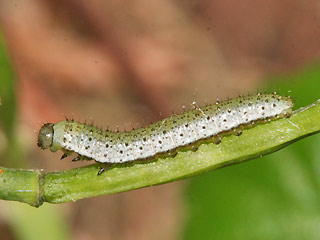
(45,137)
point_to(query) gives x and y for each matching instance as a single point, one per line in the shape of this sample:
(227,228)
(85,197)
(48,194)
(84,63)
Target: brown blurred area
(125,62)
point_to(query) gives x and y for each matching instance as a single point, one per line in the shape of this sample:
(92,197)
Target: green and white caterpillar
(185,130)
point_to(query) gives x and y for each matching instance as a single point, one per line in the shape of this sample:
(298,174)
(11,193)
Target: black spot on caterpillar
(169,135)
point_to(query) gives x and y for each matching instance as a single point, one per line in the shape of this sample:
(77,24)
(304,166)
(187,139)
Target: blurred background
(124,64)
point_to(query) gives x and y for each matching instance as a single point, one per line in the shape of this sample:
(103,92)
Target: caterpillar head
(45,137)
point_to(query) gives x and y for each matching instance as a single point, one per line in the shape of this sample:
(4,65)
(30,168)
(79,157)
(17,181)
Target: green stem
(34,187)
(20,185)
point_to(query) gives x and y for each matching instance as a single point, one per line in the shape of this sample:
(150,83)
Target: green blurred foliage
(8,106)
(276,197)
(28,223)
(10,154)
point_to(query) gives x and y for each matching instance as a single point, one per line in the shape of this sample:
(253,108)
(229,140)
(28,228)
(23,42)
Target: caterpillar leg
(218,139)
(64,156)
(101,171)
(107,166)
(76,159)
(81,158)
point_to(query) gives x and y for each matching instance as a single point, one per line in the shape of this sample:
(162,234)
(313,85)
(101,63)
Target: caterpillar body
(185,130)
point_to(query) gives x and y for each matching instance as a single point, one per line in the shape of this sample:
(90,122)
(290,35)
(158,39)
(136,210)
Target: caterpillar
(167,136)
